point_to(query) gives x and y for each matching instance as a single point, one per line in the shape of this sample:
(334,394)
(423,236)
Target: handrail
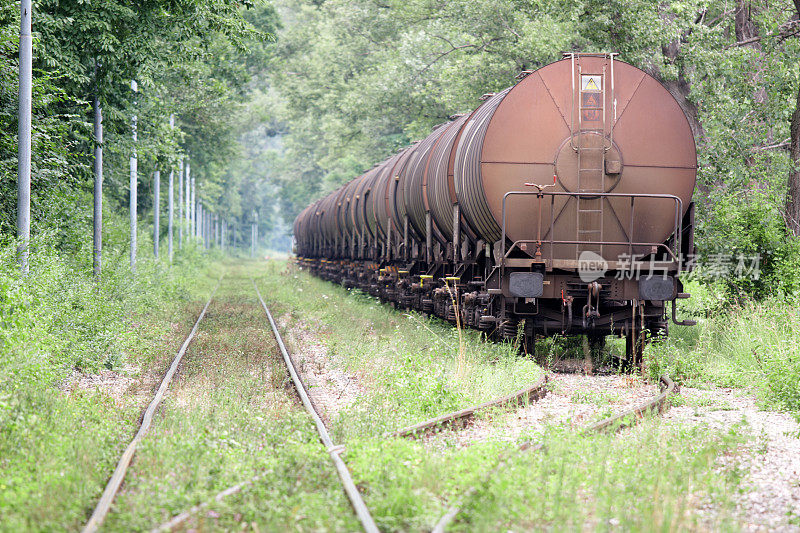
(677,228)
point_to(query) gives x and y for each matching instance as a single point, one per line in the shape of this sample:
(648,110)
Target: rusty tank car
(561,205)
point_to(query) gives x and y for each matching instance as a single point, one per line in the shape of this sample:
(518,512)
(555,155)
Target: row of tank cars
(560,206)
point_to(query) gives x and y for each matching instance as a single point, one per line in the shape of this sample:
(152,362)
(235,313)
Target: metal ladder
(589,89)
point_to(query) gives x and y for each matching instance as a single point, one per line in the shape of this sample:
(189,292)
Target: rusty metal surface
(358,206)
(631,417)
(437,180)
(527,141)
(395,194)
(115,482)
(328,218)
(467,176)
(334,452)
(346,228)
(404,191)
(529,134)
(534,392)
(370,216)
(315,224)
(620,421)
(413,180)
(380,194)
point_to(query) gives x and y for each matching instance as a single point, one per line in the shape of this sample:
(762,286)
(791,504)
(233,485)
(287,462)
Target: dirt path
(771,461)
(330,388)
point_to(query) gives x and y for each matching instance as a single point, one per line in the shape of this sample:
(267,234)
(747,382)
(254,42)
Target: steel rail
(631,417)
(534,392)
(344,474)
(113,485)
(179,519)
(617,422)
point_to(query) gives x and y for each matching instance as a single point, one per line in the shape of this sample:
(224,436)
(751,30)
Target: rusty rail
(631,417)
(179,519)
(533,392)
(114,483)
(614,423)
(349,486)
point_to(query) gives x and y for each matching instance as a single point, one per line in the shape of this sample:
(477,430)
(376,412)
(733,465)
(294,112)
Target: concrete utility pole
(156,211)
(24,148)
(97,233)
(254,235)
(189,201)
(209,229)
(133,185)
(216,230)
(193,215)
(181,220)
(171,201)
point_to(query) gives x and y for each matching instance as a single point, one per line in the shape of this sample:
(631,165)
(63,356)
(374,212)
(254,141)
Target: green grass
(408,363)
(755,346)
(232,414)
(651,478)
(57,448)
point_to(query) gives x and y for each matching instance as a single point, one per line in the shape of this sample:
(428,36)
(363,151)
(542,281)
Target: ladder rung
(590,210)
(589,231)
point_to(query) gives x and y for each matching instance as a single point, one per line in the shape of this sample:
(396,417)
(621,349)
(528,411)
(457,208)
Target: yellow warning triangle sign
(591,85)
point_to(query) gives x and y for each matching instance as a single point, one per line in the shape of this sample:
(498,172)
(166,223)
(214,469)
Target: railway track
(115,482)
(334,451)
(617,422)
(528,394)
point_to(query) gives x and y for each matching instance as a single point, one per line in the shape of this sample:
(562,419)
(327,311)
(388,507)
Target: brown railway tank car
(561,205)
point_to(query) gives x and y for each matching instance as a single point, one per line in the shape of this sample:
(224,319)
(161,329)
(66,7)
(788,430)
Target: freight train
(560,206)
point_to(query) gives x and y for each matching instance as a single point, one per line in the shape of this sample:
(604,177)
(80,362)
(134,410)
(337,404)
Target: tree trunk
(745,30)
(679,88)
(793,201)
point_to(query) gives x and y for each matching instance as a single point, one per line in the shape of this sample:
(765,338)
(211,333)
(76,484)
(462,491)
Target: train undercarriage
(523,304)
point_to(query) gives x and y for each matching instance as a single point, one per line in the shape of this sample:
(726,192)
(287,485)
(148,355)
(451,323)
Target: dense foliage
(356,80)
(190,59)
(270,126)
